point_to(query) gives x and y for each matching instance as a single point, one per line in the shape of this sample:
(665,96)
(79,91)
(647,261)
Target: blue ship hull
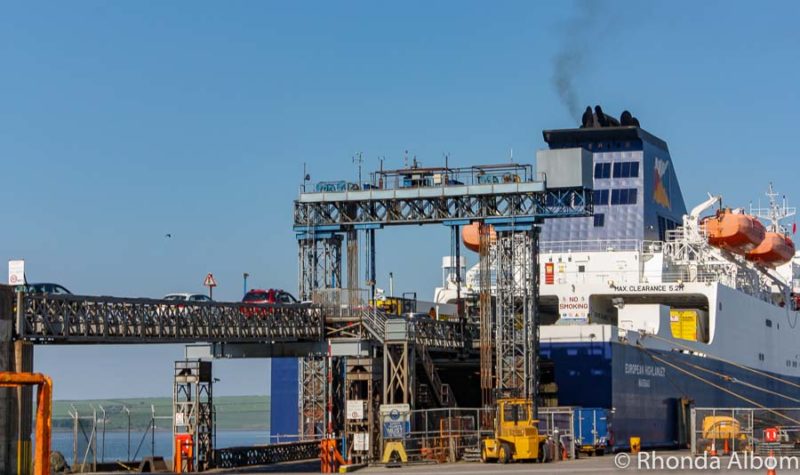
(644,395)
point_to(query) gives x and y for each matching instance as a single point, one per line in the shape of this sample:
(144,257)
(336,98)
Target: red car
(269,296)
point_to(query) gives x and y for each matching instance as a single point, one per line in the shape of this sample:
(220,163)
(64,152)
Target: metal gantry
(504,196)
(193,410)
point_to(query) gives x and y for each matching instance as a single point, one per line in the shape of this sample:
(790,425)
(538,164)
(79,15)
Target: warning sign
(16,272)
(361,441)
(355,410)
(209,281)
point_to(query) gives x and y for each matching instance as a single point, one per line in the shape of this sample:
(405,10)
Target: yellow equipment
(516,435)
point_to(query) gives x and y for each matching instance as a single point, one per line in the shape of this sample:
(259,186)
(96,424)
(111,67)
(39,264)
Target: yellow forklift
(516,434)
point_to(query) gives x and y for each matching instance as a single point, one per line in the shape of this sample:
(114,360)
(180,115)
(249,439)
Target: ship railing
(590,245)
(703,277)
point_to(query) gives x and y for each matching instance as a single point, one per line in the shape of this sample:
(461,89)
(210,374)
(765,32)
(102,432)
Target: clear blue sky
(123,121)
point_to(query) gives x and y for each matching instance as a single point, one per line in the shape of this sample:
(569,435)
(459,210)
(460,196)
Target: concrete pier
(16,416)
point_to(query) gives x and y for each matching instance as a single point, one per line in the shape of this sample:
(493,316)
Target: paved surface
(590,465)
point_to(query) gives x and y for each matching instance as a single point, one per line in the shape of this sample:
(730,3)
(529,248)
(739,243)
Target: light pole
(391,284)
(244,278)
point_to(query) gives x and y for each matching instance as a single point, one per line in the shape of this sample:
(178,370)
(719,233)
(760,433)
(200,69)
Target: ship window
(769,323)
(602,170)
(624,196)
(761,357)
(581,268)
(600,197)
(572,352)
(626,169)
(599,220)
(794,364)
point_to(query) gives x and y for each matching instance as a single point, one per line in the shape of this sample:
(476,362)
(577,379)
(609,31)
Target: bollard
(636,445)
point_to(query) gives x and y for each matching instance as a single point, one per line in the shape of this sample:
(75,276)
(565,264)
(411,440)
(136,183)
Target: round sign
(394,414)
(13,279)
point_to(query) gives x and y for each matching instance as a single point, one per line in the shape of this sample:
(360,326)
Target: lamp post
(244,279)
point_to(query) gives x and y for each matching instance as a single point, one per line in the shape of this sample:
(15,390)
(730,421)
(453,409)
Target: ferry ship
(647,308)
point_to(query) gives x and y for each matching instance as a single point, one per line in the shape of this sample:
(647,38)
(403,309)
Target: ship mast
(775,213)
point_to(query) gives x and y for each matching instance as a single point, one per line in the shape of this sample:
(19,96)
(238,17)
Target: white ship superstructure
(634,297)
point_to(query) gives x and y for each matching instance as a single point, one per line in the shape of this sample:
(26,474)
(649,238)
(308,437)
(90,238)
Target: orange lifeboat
(471,236)
(774,250)
(737,233)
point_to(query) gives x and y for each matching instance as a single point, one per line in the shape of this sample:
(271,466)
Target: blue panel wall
(285,398)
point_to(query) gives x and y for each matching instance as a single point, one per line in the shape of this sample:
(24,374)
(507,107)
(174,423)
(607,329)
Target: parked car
(47,288)
(268,296)
(187,297)
(179,298)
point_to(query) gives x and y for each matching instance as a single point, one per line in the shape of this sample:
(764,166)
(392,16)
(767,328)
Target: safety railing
(86,319)
(233,457)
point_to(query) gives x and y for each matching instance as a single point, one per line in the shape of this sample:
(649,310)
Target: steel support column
(516,321)
(313,396)
(193,409)
(320,259)
(486,315)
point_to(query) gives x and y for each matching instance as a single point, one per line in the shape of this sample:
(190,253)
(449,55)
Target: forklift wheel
(544,453)
(484,454)
(504,453)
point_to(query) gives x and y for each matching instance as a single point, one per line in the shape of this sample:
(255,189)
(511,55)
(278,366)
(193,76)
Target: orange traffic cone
(725,450)
(713,451)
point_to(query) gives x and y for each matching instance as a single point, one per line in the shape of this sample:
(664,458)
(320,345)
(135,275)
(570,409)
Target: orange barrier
(183,459)
(44,401)
(329,456)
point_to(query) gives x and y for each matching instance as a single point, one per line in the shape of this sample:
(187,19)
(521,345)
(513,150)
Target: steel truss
(516,323)
(66,319)
(193,409)
(232,457)
(313,396)
(504,201)
(362,375)
(320,261)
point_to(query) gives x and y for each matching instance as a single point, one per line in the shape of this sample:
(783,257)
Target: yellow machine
(516,435)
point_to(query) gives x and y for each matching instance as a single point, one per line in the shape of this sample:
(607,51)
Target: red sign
(771,434)
(549,270)
(209,281)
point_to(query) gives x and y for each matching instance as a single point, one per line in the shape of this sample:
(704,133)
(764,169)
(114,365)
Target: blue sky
(123,121)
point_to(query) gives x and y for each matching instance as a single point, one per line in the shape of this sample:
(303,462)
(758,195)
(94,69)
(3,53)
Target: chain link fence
(722,431)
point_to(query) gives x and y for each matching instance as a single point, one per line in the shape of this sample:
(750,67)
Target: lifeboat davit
(471,236)
(735,232)
(774,250)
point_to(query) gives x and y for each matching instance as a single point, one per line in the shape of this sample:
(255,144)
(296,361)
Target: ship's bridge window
(623,196)
(602,170)
(626,169)
(599,220)
(600,197)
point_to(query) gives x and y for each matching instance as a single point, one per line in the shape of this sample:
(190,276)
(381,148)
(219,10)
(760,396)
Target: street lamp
(244,278)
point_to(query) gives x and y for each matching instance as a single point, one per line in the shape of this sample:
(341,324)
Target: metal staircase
(442,390)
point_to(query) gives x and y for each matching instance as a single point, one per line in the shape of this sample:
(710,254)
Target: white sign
(16,272)
(355,410)
(361,441)
(179,419)
(209,281)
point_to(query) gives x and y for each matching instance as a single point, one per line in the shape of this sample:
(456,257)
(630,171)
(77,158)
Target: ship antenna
(775,213)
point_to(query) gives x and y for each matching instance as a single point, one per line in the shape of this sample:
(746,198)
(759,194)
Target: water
(116,443)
